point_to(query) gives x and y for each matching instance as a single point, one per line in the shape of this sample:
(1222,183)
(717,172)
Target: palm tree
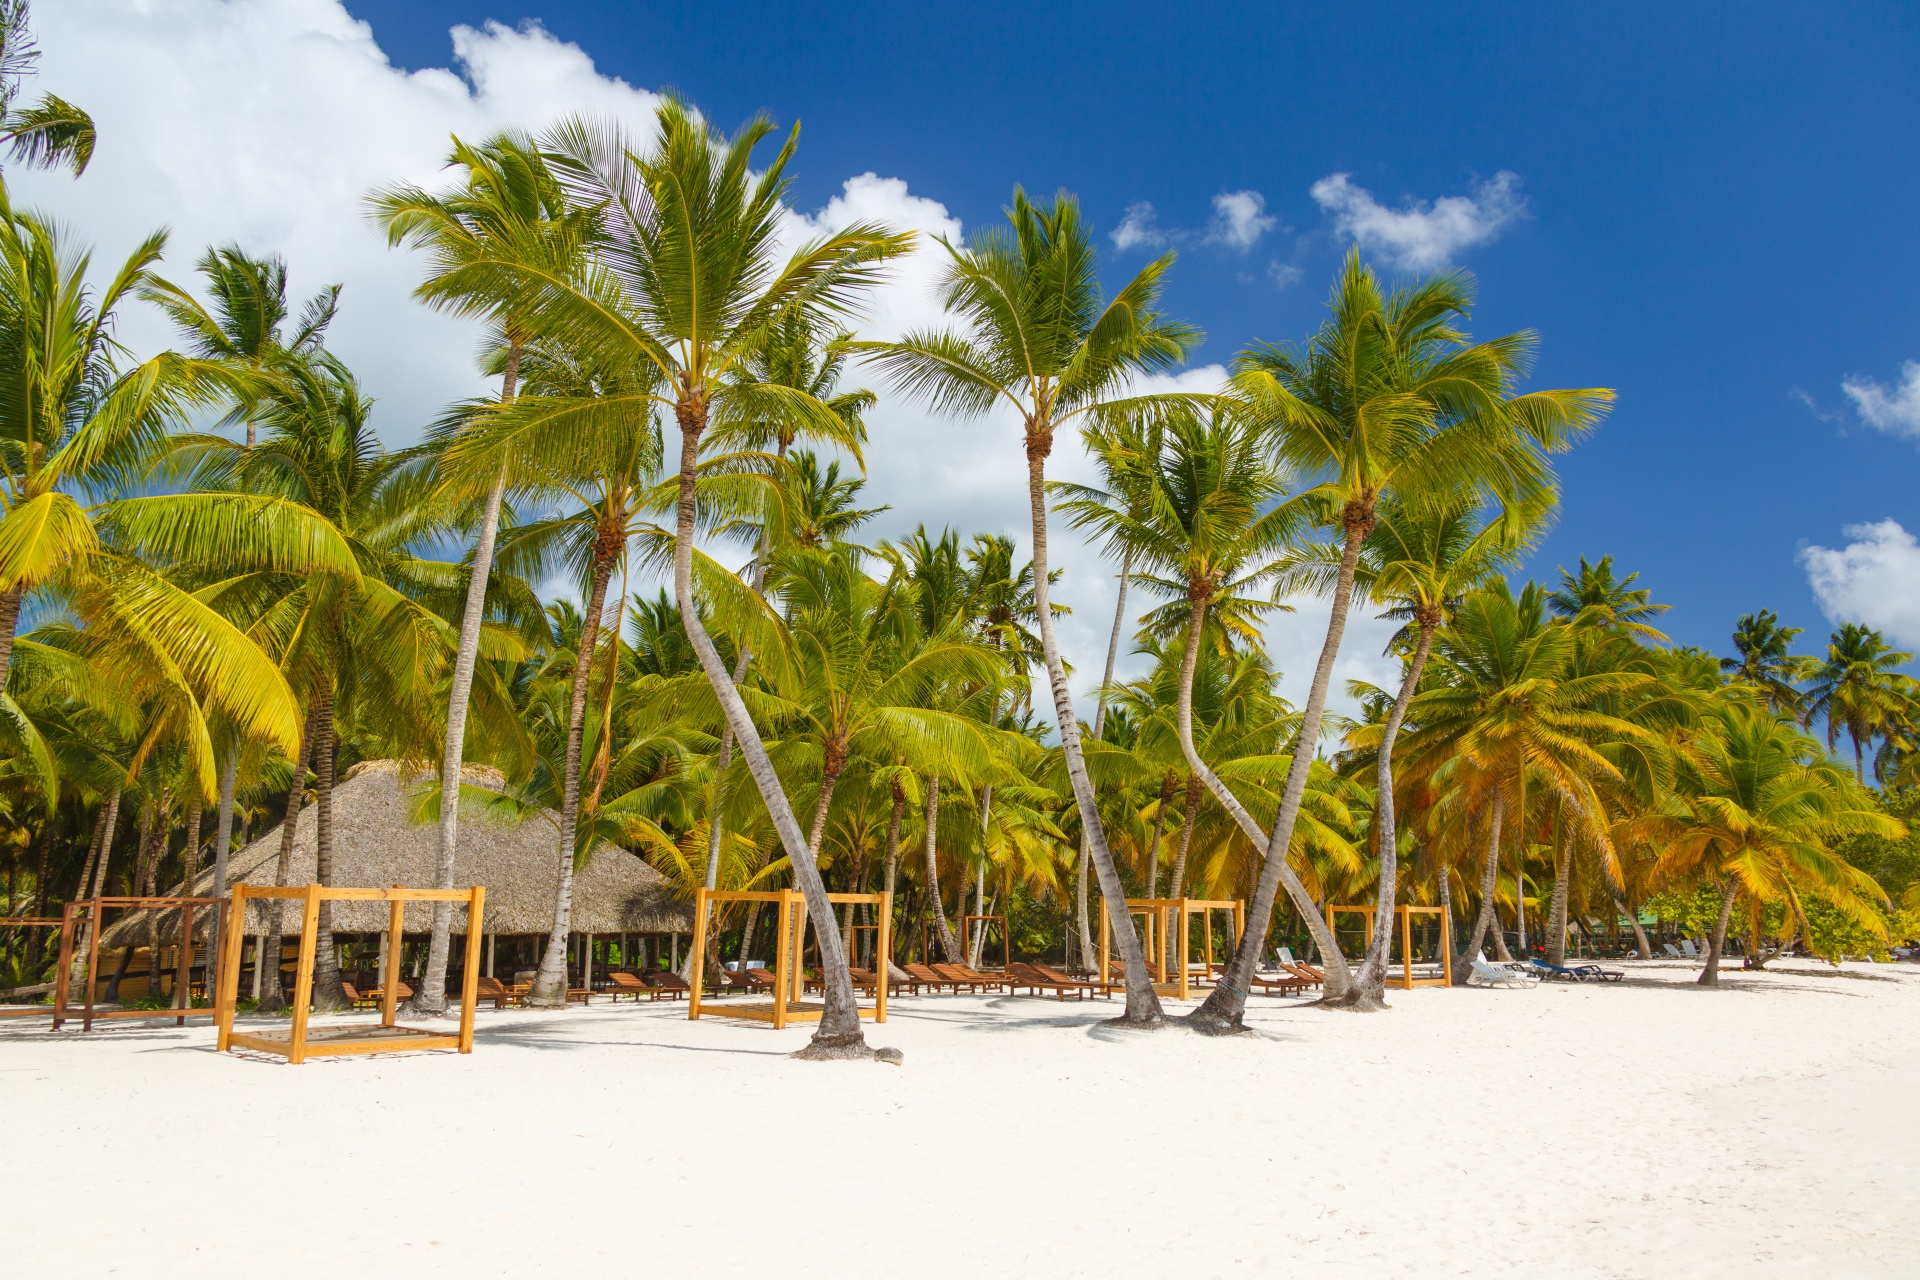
(509,209)
(1766,663)
(1038,338)
(1388,400)
(1420,561)
(1761,810)
(687,290)
(1594,597)
(1857,688)
(50,132)
(1507,713)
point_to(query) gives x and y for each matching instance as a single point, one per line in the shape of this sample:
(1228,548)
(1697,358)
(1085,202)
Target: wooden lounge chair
(1300,969)
(734,982)
(972,979)
(354,999)
(765,979)
(668,981)
(1025,975)
(625,984)
(1058,975)
(375,996)
(1284,983)
(924,976)
(493,989)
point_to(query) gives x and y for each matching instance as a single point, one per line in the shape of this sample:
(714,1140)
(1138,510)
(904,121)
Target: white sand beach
(1650,1128)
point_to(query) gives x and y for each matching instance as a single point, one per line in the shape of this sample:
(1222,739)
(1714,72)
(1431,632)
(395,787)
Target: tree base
(846,1048)
(1138,1022)
(1201,1022)
(1356,1000)
(418,1008)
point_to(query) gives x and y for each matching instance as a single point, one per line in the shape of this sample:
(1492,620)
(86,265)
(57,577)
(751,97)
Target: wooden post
(799,957)
(476,920)
(884,954)
(303,976)
(492,940)
(1446,946)
(701,906)
(1106,938)
(390,980)
(1184,931)
(63,976)
(183,971)
(230,967)
(586,961)
(1406,947)
(1240,922)
(783,944)
(93,961)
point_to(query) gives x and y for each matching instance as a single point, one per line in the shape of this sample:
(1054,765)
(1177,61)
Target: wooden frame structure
(960,932)
(388,1036)
(789,948)
(1407,981)
(183,976)
(1157,916)
(28,922)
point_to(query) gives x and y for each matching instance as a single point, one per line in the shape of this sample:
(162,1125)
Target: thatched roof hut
(376,845)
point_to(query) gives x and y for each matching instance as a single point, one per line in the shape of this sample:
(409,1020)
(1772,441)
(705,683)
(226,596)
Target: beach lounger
(1283,983)
(1488,974)
(1672,950)
(1687,949)
(668,981)
(767,979)
(493,989)
(1058,975)
(1025,975)
(924,976)
(1578,972)
(971,978)
(625,984)
(1300,969)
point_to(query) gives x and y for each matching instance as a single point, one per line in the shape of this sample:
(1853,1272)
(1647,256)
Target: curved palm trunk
(1557,913)
(1642,947)
(839,1034)
(431,998)
(268,963)
(9,621)
(893,862)
(549,989)
(145,866)
(328,995)
(90,881)
(1370,983)
(1143,1005)
(1489,875)
(1087,960)
(1177,885)
(949,945)
(1225,1006)
(1717,944)
(1159,834)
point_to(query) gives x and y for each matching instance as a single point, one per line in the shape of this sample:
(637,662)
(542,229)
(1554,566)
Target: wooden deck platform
(363,1038)
(762,1010)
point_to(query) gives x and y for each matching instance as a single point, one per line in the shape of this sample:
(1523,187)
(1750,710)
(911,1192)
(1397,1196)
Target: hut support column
(586,962)
(491,939)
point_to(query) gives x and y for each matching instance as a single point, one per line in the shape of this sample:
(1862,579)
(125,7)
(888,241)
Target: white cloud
(1139,229)
(1894,410)
(1419,236)
(1874,579)
(1283,274)
(1240,218)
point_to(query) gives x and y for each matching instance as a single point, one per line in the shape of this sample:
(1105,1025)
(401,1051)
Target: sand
(1646,1129)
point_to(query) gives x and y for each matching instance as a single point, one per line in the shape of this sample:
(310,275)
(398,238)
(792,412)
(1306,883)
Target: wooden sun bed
(625,984)
(668,981)
(971,978)
(1286,983)
(1056,975)
(1025,975)
(924,976)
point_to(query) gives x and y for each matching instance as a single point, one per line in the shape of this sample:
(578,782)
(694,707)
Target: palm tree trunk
(223,819)
(328,995)
(1196,789)
(271,999)
(979,934)
(1632,914)
(1224,1007)
(153,841)
(431,998)
(1557,913)
(839,1034)
(9,621)
(1081,916)
(1370,984)
(549,989)
(1143,1005)
(949,945)
(97,867)
(893,861)
(1159,834)
(1717,945)
(1489,876)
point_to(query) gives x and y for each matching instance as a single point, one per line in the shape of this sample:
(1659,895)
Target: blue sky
(1720,204)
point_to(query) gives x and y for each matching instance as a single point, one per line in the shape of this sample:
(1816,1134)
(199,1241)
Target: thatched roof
(376,846)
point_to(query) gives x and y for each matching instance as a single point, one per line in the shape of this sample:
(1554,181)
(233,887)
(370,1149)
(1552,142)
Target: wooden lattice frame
(1157,915)
(388,1036)
(1406,913)
(70,917)
(789,975)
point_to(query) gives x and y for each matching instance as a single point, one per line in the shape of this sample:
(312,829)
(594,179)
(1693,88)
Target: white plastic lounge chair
(1672,950)
(1487,974)
(1687,949)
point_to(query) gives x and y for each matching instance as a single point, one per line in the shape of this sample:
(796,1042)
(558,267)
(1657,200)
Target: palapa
(376,845)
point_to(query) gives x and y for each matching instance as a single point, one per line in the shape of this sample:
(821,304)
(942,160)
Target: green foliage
(1693,912)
